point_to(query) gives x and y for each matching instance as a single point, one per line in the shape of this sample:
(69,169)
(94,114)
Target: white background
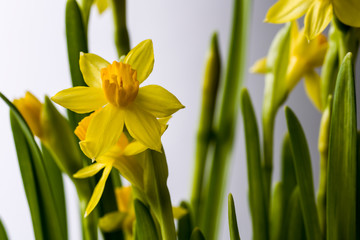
(33,57)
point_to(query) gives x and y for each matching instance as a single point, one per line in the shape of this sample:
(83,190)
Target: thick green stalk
(121,32)
(205,132)
(228,113)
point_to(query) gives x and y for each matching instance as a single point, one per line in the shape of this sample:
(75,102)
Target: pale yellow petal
(131,168)
(104,131)
(313,87)
(89,171)
(259,66)
(135,147)
(157,101)
(81,99)
(347,11)
(102,5)
(99,189)
(90,66)
(179,212)
(141,58)
(124,198)
(287,10)
(317,18)
(144,127)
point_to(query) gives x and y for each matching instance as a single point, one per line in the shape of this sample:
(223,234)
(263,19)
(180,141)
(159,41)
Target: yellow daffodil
(119,156)
(114,91)
(30,108)
(305,56)
(318,13)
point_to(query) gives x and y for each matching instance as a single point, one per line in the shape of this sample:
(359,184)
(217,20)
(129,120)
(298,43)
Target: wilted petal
(157,101)
(81,99)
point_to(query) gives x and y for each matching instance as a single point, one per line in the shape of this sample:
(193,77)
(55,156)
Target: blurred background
(33,57)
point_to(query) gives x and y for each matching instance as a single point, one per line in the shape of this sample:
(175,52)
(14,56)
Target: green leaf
(157,192)
(276,210)
(76,43)
(145,226)
(358,188)
(185,225)
(255,174)
(3,235)
(57,185)
(45,195)
(233,227)
(197,235)
(294,225)
(341,188)
(304,176)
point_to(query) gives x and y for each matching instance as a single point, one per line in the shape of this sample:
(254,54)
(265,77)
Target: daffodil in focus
(305,56)
(113,90)
(30,108)
(318,13)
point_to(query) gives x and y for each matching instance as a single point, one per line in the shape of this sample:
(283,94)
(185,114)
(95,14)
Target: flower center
(120,83)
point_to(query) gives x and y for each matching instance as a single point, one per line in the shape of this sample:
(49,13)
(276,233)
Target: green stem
(228,113)
(121,32)
(205,132)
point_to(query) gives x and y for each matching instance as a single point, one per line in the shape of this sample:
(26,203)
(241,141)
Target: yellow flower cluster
(116,100)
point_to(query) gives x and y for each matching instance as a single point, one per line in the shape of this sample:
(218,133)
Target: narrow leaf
(46,199)
(197,235)
(145,226)
(76,43)
(294,224)
(3,234)
(185,225)
(358,188)
(275,215)
(341,188)
(255,174)
(234,231)
(304,176)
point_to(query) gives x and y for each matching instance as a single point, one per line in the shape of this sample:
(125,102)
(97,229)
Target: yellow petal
(102,5)
(131,168)
(104,131)
(81,129)
(287,10)
(179,212)
(347,11)
(99,189)
(81,99)
(135,147)
(90,66)
(157,101)
(259,66)
(141,58)
(123,198)
(30,108)
(312,87)
(144,127)
(317,18)
(89,170)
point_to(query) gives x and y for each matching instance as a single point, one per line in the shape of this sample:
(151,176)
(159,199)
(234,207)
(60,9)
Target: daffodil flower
(30,108)
(305,56)
(119,156)
(318,13)
(114,91)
